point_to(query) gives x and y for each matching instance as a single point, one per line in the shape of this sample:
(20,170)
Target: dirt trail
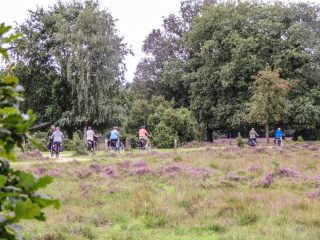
(70,158)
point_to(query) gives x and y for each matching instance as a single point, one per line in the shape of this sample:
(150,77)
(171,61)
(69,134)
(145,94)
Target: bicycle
(252,142)
(116,145)
(143,145)
(278,142)
(90,146)
(55,149)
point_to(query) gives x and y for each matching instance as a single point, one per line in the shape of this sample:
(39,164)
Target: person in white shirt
(90,138)
(57,137)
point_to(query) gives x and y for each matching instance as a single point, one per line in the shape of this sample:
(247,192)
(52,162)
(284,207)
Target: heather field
(203,191)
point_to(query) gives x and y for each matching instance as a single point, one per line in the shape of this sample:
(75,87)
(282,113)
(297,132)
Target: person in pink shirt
(144,135)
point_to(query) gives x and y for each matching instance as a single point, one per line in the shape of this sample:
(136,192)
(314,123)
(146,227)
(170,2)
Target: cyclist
(115,137)
(144,136)
(50,132)
(278,136)
(57,138)
(90,138)
(253,137)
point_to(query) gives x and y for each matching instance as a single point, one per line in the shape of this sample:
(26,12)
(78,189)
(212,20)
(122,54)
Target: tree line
(214,68)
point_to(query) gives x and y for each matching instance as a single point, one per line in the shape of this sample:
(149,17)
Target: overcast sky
(136,18)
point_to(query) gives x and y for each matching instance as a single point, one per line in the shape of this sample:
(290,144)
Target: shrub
(240,142)
(163,136)
(78,145)
(38,140)
(300,139)
(180,122)
(307,134)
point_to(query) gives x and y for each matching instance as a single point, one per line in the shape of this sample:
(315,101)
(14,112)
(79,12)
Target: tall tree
(230,42)
(268,103)
(161,71)
(80,45)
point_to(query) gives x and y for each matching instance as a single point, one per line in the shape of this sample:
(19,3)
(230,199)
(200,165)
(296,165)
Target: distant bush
(167,124)
(300,139)
(163,136)
(78,145)
(240,142)
(38,141)
(67,144)
(307,135)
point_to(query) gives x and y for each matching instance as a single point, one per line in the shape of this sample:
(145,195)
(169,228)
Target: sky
(136,19)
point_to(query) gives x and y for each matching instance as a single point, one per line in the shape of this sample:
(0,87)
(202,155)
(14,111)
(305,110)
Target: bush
(163,136)
(67,144)
(240,142)
(38,141)
(78,145)
(307,134)
(168,124)
(300,139)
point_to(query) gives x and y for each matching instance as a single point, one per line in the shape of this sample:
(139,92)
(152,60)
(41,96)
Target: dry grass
(196,193)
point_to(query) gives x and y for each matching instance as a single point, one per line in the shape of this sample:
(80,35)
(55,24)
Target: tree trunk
(70,133)
(209,134)
(267,133)
(84,134)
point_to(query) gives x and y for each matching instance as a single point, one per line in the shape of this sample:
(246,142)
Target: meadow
(203,191)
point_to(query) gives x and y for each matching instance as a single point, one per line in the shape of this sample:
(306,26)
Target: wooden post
(175,144)
(128,144)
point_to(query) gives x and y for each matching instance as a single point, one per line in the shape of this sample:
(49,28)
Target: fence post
(175,144)
(128,144)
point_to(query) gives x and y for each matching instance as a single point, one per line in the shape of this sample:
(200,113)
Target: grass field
(211,192)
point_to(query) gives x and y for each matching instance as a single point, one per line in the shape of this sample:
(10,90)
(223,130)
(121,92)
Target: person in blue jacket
(278,136)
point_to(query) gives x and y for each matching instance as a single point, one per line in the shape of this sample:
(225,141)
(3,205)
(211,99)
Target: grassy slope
(182,202)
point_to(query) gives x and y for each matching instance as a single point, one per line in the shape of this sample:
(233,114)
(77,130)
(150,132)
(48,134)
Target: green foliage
(37,140)
(162,120)
(268,102)
(304,114)
(240,142)
(71,63)
(234,41)
(18,190)
(179,123)
(76,144)
(163,136)
(276,166)
(139,113)
(300,139)
(205,61)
